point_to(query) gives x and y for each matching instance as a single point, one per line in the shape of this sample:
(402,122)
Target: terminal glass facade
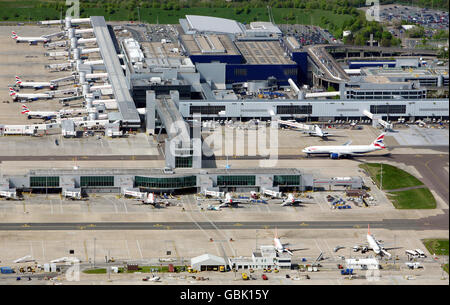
(95,181)
(294,109)
(375,109)
(236,180)
(165,183)
(44,181)
(183,162)
(286,180)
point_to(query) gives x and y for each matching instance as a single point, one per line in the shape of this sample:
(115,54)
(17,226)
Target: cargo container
(6,270)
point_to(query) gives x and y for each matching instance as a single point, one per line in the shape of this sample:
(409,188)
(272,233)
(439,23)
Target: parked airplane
(31,40)
(280,247)
(312,130)
(47,115)
(228,201)
(291,200)
(151,199)
(373,244)
(28,96)
(346,150)
(35,85)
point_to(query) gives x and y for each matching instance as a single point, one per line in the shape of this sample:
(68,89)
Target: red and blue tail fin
(379,142)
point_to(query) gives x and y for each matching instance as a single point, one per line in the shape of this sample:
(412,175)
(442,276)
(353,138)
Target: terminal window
(376,109)
(185,162)
(44,181)
(235,180)
(165,183)
(286,180)
(294,109)
(206,109)
(88,181)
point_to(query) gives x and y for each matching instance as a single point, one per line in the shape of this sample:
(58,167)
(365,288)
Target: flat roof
(400,72)
(263,53)
(216,44)
(170,116)
(213,24)
(125,102)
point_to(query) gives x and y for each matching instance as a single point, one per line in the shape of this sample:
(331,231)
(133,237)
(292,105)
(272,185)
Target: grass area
(143,269)
(413,199)
(95,271)
(445,267)
(437,246)
(32,11)
(393,177)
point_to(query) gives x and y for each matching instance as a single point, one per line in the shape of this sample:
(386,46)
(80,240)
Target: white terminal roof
(207,260)
(213,24)
(265,26)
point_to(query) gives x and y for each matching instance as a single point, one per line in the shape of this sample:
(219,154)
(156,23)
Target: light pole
(94,250)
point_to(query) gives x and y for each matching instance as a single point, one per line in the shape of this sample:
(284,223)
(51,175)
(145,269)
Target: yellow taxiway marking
(26,225)
(304,224)
(238,224)
(357,226)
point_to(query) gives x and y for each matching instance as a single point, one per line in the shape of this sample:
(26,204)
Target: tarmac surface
(430,223)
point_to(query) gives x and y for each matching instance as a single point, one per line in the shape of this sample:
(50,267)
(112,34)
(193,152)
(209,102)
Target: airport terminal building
(172,181)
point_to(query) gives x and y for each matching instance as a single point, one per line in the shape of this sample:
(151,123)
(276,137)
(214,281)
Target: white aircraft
(228,201)
(373,244)
(312,130)
(280,247)
(24,259)
(35,85)
(152,200)
(28,96)
(48,115)
(346,150)
(31,40)
(39,114)
(154,279)
(290,201)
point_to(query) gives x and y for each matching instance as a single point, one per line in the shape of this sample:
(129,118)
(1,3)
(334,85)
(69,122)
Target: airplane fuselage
(341,150)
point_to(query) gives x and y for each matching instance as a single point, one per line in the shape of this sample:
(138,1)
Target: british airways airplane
(335,152)
(29,39)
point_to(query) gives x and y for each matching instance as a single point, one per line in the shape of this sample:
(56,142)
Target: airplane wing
(347,143)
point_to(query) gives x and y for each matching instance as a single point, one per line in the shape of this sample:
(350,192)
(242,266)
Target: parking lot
(428,18)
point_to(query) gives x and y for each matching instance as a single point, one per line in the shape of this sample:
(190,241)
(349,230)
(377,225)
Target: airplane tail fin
(11,91)
(379,142)
(14,35)
(368,229)
(25,109)
(18,80)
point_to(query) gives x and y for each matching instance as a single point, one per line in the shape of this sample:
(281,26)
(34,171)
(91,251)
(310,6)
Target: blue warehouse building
(254,54)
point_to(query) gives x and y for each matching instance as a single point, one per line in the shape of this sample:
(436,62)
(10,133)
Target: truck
(221,268)
(420,253)
(347,271)
(6,270)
